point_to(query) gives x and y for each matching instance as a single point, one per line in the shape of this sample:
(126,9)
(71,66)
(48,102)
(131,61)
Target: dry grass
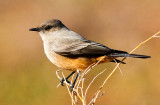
(80,93)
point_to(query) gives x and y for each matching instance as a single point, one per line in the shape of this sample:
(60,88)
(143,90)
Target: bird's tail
(129,55)
(118,53)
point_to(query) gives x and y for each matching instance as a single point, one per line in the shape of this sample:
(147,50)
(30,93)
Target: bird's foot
(62,81)
(71,87)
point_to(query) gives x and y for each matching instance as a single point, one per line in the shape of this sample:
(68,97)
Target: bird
(70,51)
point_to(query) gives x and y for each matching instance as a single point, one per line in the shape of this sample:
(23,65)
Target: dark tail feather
(128,55)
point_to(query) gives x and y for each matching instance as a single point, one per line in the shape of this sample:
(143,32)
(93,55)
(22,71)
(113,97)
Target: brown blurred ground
(28,78)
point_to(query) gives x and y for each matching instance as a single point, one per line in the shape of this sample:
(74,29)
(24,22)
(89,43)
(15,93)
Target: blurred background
(27,77)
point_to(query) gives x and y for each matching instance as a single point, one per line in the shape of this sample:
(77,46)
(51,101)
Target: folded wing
(88,49)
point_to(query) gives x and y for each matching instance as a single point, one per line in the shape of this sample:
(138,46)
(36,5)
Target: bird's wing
(86,49)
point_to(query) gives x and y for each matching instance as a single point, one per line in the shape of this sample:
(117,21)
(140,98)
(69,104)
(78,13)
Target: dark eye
(48,27)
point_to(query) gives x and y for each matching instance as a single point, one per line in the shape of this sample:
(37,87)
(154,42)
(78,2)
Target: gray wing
(87,49)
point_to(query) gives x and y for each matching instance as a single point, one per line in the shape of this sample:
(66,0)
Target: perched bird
(69,50)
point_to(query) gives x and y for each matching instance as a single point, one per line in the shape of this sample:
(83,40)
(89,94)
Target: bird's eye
(48,27)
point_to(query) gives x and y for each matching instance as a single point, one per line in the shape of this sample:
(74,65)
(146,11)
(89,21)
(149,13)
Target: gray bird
(69,50)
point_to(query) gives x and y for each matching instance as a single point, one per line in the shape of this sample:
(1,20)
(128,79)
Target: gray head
(50,25)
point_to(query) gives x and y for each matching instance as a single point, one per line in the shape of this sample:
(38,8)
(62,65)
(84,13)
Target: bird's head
(48,27)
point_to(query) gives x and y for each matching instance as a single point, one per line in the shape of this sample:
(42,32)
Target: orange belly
(80,63)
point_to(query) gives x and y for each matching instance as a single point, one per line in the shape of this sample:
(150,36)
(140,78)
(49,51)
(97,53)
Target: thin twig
(119,67)
(157,36)
(92,82)
(58,74)
(82,90)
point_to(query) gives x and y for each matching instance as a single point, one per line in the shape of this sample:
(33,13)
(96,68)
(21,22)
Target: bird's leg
(63,79)
(72,86)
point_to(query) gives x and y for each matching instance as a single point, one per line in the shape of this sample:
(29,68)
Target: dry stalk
(91,83)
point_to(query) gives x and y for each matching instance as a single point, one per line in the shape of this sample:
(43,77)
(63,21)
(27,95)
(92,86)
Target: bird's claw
(62,81)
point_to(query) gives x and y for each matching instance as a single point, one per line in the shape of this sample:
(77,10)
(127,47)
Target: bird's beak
(35,29)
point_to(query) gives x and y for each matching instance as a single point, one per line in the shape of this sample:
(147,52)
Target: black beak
(34,29)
